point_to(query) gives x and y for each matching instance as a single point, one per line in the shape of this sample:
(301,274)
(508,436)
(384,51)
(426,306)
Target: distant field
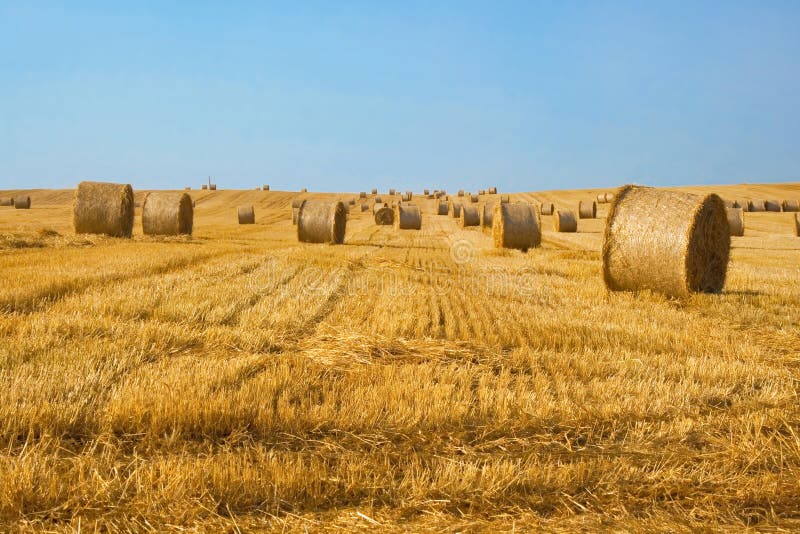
(238,379)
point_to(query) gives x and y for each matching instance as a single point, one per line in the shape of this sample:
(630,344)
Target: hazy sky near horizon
(347,95)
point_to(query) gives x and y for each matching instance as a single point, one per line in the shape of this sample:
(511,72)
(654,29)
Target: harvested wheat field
(405,380)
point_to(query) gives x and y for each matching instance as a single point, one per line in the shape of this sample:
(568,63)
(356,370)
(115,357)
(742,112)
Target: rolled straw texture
(165,213)
(22,202)
(587,209)
(757,205)
(321,222)
(791,205)
(384,215)
(565,221)
(441,208)
(6,201)
(668,242)
(103,208)
(470,216)
(454,209)
(407,217)
(547,208)
(492,190)
(772,205)
(247,215)
(374,191)
(735,221)
(797,224)
(516,225)
(487,214)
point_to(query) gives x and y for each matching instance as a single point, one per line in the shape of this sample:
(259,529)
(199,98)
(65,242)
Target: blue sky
(343,96)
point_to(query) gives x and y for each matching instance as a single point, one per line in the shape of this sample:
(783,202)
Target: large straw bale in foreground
(735,221)
(103,208)
(516,225)
(321,222)
(247,215)
(671,243)
(407,217)
(470,216)
(565,221)
(22,202)
(165,213)
(587,209)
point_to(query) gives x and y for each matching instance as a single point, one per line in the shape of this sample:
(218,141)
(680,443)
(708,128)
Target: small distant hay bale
(204,187)
(547,208)
(364,207)
(601,198)
(6,201)
(454,209)
(735,221)
(374,191)
(587,209)
(187,188)
(461,192)
(441,208)
(304,190)
(470,216)
(391,192)
(791,205)
(772,205)
(213,187)
(481,191)
(487,214)
(265,187)
(103,208)
(668,242)
(247,215)
(492,190)
(22,202)
(165,213)
(321,222)
(378,200)
(516,225)
(744,204)
(505,199)
(407,217)
(362,194)
(351,202)
(756,205)
(426,192)
(407,197)
(609,197)
(473,198)
(565,221)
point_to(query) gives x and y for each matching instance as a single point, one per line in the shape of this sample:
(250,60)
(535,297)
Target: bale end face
(516,225)
(672,243)
(321,222)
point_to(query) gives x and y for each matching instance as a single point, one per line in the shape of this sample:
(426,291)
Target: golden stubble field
(419,381)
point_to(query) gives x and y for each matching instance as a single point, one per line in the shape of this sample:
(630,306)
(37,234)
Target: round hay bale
(362,194)
(351,202)
(321,222)
(187,188)
(441,208)
(729,203)
(295,211)
(383,214)
(668,242)
(461,192)
(601,198)
(547,208)
(735,221)
(265,187)
(565,221)
(165,213)
(516,226)
(213,187)
(103,208)
(791,205)
(204,187)
(22,202)
(492,190)
(407,217)
(426,192)
(745,205)
(756,205)
(505,199)
(473,198)
(297,202)
(587,209)
(364,207)
(247,215)
(609,197)
(487,214)
(378,200)
(772,205)
(391,192)
(6,201)
(407,197)
(481,191)
(797,224)
(470,216)
(374,191)
(454,209)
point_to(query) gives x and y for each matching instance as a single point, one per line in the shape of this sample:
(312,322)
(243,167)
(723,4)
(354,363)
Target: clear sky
(346,95)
